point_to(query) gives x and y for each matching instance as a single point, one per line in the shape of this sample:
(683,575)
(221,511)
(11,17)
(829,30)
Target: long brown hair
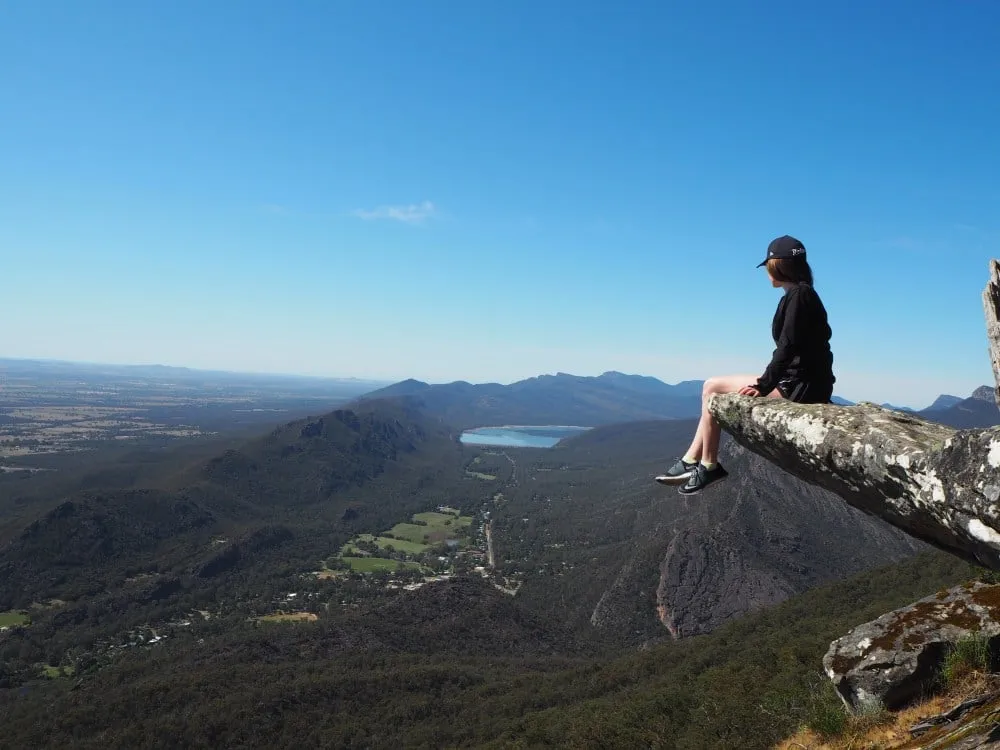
(790,270)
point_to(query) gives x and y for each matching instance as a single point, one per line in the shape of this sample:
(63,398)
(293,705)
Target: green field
(402,545)
(442,526)
(435,527)
(289,617)
(54,673)
(376,564)
(428,529)
(480,475)
(410,531)
(7,619)
(443,520)
(350,549)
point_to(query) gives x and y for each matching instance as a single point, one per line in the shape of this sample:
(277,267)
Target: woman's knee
(725,384)
(706,388)
(713,385)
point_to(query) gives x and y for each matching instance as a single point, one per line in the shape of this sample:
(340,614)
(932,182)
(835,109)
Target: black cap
(784,247)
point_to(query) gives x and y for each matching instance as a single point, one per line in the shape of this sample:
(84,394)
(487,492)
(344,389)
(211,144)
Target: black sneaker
(678,473)
(701,478)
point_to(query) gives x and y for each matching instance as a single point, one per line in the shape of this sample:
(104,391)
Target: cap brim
(762,263)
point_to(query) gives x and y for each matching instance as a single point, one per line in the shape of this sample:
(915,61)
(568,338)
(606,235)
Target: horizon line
(385,382)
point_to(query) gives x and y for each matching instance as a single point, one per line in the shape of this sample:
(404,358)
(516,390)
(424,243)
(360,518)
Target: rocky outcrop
(935,483)
(767,536)
(952,715)
(896,657)
(991,308)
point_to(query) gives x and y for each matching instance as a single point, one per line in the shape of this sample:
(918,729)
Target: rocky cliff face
(611,550)
(983,393)
(772,537)
(935,483)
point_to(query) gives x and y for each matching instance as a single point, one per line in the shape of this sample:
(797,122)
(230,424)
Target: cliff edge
(936,483)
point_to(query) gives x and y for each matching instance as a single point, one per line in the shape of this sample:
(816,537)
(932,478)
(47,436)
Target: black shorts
(805,392)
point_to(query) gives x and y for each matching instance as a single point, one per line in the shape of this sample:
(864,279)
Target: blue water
(520,436)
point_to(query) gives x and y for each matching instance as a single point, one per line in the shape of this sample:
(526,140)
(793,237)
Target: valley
(372,560)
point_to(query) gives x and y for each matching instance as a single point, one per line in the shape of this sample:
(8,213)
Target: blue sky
(493,190)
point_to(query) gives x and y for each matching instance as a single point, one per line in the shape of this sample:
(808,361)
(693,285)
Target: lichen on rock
(936,483)
(895,657)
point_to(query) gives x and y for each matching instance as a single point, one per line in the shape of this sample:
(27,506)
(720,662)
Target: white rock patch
(984,533)
(928,484)
(993,457)
(811,430)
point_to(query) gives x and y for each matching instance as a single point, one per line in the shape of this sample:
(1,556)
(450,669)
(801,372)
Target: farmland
(53,409)
(11,619)
(427,536)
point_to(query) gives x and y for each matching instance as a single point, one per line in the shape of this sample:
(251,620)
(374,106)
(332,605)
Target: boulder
(898,656)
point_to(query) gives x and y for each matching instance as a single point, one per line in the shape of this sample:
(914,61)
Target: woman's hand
(748,390)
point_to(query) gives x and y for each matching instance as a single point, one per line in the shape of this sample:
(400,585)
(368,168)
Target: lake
(520,436)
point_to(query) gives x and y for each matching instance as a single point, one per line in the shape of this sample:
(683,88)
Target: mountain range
(614,397)
(978,410)
(559,399)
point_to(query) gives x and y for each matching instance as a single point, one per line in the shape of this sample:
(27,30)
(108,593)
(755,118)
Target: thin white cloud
(415,213)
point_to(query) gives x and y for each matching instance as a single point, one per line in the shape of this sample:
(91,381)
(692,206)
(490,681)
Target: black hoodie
(802,336)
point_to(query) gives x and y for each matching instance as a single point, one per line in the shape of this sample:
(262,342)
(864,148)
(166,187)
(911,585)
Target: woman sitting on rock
(801,368)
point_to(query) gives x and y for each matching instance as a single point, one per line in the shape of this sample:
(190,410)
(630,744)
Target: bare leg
(694,452)
(708,430)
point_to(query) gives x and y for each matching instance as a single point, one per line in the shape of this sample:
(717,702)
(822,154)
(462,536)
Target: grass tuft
(966,658)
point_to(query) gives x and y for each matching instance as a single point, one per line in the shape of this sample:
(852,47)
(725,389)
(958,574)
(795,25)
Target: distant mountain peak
(983,393)
(895,408)
(413,383)
(944,401)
